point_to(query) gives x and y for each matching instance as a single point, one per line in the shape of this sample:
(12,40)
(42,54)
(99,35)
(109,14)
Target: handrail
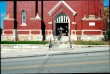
(50,43)
(70,42)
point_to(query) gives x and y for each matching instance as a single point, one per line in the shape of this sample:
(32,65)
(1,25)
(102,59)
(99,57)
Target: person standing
(60,33)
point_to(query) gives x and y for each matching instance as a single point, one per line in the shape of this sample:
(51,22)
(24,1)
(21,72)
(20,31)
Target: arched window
(23,17)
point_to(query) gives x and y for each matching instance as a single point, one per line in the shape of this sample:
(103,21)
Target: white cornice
(8,18)
(91,17)
(36,18)
(50,12)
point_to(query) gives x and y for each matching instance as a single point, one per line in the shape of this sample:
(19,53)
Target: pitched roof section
(60,2)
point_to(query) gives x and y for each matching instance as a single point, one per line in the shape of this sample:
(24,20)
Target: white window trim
(23,24)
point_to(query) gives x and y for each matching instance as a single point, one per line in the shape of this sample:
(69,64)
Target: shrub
(107,36)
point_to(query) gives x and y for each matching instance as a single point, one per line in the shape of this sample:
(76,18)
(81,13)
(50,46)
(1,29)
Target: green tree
(106,18)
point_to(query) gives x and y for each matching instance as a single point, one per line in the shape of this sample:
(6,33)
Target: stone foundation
(22,38)
(30,38)
(7,38)
(92,37)
(48,37)
(73,37)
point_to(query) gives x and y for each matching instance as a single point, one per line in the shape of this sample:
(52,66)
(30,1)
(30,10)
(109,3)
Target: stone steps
(60,44)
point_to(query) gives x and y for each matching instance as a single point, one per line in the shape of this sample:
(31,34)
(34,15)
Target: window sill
(23,24)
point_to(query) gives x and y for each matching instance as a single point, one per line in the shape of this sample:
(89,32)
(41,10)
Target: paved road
(72,63)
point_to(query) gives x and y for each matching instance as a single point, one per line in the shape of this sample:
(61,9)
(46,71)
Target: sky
(3,10)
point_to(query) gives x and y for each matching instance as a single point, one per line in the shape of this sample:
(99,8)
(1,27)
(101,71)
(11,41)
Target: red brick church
(41,20)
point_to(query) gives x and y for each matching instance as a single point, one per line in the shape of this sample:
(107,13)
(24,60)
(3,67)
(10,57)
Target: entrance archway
(61,21)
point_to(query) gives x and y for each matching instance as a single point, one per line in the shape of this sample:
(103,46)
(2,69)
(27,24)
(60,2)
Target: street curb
(50,54)
(72,51)
(83,46)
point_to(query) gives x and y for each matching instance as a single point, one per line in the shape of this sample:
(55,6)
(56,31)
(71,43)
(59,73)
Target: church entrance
(61,26)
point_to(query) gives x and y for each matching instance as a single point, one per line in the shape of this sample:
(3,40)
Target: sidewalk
(44,50)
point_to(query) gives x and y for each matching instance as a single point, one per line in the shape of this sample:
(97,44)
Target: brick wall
(80,6)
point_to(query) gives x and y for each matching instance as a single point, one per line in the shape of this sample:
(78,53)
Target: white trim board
(50,12)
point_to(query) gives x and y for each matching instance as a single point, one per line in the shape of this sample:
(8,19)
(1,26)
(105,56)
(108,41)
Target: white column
(58,19)
(61,18)
(64,18)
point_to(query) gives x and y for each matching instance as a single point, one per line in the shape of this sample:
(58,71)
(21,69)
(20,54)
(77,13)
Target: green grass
(89,42)
(46,42)
(24,42)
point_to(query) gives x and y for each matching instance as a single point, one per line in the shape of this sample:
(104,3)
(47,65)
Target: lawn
(91,42)
(46,42)
(24,42)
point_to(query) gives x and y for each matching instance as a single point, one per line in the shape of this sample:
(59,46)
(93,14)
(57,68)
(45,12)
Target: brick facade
(86,11)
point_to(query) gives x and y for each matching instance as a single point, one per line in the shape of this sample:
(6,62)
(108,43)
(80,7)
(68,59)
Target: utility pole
(0,25)
(36,7)
(42,22)
(15,20)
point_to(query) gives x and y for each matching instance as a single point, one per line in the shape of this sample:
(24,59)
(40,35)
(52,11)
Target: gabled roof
(60,2)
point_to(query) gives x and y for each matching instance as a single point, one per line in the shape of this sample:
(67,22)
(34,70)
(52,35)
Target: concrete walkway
(15,51)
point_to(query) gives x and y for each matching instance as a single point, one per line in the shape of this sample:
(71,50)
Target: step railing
(70,42)
(50,43)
